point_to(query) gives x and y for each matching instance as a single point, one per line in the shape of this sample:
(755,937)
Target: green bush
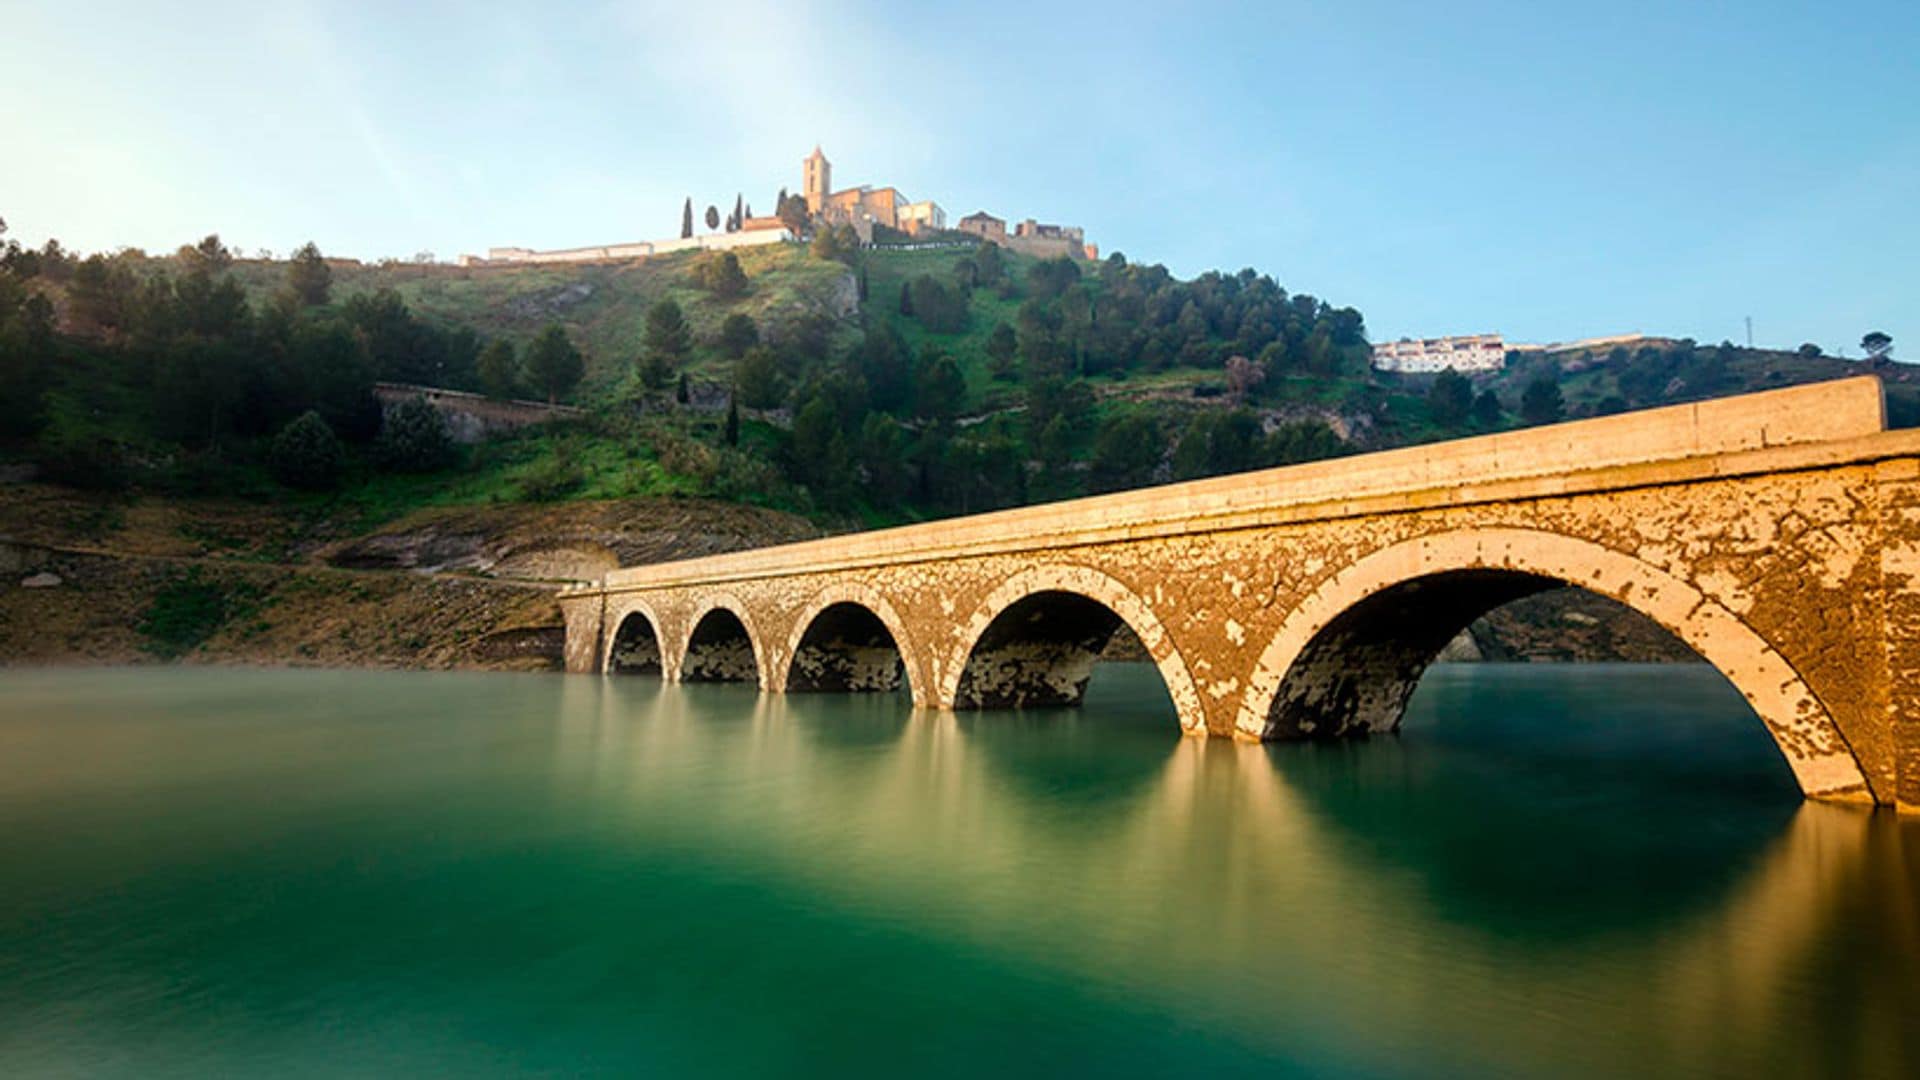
(306,454)
(414,438)
(187,611)
(552,478)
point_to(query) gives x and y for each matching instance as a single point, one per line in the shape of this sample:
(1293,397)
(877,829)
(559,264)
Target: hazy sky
(1545,170)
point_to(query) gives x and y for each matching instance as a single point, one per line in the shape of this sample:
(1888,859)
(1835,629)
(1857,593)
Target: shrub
(414,438)
(186,611)
(552,478)
(306,454)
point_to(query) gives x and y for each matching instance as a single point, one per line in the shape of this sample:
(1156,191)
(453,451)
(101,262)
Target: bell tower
(816,174)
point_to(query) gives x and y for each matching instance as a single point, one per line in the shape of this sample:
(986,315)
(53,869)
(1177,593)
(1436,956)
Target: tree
(499,370)
(684,392)
(209,255)
(1449,399)
(863,284)
(1541,402)
(1809,351)
(906,299)
(739,213)
(1242,376)
(731,433)
(1001,348)
(1486,409)
(738,334)
(554,366)
(836,242)
(306,454)
(940,309)
(713,217)
(414,438)
(1878,344)
(666,331)
(720,274)
(757,378)
(940,390)
(686,219)
(309,276)
(793,213)
(1125,453)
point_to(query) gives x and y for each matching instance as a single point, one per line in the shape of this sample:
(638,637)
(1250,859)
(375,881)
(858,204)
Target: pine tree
(309,276)
(553,364)
(686,219)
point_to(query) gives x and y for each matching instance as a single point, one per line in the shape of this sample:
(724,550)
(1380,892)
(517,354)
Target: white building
(1471,352)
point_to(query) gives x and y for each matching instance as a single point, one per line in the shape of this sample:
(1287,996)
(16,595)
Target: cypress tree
(906,299)
(733,422)
(686,219)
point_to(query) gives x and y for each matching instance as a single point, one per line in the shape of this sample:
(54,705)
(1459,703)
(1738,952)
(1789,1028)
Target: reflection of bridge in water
(1777,534)
(1282,925)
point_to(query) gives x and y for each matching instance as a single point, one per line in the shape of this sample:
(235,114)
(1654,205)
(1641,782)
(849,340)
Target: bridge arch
(634,643)
(722,644)
(1348,657)
(846,598)
(1061,672)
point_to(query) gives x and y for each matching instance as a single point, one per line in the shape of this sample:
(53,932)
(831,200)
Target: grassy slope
(517,301)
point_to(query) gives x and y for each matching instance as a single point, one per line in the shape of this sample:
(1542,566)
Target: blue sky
(1538,169)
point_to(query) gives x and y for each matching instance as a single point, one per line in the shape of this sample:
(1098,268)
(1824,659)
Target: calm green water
(1557,871)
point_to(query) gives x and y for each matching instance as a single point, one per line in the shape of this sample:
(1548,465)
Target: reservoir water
(1553,870)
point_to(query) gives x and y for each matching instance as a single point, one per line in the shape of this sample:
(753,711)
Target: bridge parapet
(1776,533)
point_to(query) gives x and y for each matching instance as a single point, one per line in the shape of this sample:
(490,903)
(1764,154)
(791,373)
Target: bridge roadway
(1777,534)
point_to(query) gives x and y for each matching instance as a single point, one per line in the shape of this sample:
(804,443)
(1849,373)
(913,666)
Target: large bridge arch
(854,594)
(1088,584)
(709,651)
(1479,569)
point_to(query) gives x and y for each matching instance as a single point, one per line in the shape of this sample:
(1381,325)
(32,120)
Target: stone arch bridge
(1777,534)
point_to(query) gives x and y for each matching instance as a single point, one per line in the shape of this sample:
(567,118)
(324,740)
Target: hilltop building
(1471,352)
(1030,237)
(865,206)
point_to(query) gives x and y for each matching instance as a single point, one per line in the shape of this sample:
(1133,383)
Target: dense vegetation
(827,377)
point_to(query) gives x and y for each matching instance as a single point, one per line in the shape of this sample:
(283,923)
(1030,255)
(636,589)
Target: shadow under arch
(849,638)
(722,645)
(1347,659)
(1034,640)
(635,647)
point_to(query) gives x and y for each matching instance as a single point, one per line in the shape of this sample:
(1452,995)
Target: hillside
(886,385)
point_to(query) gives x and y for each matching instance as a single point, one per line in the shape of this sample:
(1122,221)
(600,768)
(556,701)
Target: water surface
(1555,870)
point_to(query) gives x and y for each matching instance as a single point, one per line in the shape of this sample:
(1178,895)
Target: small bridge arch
(722,644)
(1347,658)
(1057,670)
(636,645)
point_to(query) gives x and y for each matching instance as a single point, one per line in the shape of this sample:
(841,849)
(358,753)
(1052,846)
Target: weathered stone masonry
(1778,534)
